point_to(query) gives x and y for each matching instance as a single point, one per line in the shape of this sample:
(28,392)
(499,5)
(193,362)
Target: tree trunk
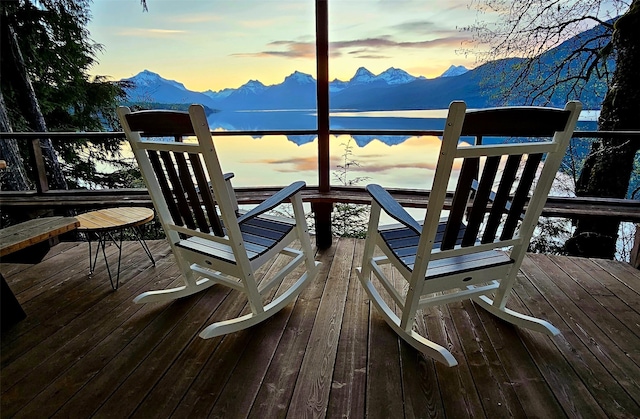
(609,165)
(14,177)
(31,108)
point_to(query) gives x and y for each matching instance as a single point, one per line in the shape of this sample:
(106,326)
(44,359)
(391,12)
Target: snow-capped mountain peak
(337,85)
(252,86)
(454,70)
(220,94)
(300,78)
(362,76)
(148,78)
(395,76)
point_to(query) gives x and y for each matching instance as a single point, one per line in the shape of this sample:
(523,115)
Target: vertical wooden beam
(322,211)
(39,167)
(634,257)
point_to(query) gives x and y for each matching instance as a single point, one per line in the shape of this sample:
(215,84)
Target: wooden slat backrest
(521,195)
(481,200)
(510,170)
(459,204)
(160,123)
(522,121)
(180,174)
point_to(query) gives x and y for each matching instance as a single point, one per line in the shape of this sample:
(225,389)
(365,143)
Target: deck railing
(321,198)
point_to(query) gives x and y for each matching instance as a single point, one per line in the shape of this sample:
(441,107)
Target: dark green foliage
(58,54)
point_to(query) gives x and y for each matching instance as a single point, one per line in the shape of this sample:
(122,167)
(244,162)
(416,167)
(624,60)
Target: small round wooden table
(103,223)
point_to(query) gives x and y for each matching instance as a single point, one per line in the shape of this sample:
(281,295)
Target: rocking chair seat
(259,234)
(403,242)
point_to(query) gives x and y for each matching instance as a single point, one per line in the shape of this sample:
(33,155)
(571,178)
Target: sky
(215,44)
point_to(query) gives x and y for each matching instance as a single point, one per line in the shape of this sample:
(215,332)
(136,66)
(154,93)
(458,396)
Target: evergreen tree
(46,57)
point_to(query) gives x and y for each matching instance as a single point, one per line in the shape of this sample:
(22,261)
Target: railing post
(322,211)
(37,162)
(634,257)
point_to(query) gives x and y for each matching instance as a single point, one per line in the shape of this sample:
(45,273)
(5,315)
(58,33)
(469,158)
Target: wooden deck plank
(59,368)
(347,396)
(12,268)
(499,400)
(89,351)
(384,374)
(71,340)
(460,396)
(520,369)
(311,394)
(622,283)
(143,378)
(226,351)
(46,310)
(68,300)
(240,392)
(279,382)
(119,374)
(625,274)
(579,337)
(606,310)
(166,393)
(568,389)
(384,379)
(422,393)
(145,325)
(419,382)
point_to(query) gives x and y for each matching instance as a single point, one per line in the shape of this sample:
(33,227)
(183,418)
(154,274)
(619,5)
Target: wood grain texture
(114,218)
(87,351)
(23,235)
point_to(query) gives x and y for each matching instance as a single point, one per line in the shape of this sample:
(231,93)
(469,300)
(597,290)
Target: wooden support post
(322,216)
(322,212)
(39,167)
(634,257)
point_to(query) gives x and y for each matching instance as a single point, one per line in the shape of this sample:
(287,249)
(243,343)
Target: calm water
(392,161)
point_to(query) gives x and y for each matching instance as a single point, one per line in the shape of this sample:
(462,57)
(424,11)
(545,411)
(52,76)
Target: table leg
(102,240)
(101,244)
(138,234)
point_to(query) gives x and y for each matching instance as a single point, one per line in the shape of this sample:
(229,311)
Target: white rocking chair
(186,184)
(449,258)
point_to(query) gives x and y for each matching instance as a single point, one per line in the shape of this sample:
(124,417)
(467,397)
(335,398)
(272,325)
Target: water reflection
(281,120)
(393,161)
(275,160)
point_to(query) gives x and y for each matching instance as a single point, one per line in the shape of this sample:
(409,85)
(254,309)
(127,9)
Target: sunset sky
(213,44)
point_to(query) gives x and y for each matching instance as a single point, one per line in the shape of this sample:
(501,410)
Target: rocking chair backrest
(213,243)
(180,187)
(503,206)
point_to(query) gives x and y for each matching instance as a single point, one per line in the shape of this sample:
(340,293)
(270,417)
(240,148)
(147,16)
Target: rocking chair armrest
(227,178)
(392,207)
(232,194)
(273,201)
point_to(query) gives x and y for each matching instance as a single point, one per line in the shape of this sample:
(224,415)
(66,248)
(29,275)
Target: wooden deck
(85,350)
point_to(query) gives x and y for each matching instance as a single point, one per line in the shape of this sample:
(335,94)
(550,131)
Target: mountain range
(393,89)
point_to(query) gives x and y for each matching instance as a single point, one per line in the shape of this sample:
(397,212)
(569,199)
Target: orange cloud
(297,164)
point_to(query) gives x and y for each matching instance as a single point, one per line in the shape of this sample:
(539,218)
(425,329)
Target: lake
(392,161)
